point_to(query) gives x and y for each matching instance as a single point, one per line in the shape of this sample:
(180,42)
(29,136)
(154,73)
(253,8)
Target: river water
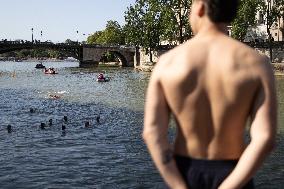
(109,154)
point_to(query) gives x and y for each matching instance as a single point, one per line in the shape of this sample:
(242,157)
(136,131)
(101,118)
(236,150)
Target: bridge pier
(91,55)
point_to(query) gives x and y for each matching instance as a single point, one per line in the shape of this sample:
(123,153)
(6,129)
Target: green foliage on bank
(150,23)
(246,17)
(34,53)
(112,35)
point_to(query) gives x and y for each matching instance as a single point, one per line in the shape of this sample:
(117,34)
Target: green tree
(112,35)
(143,24)
(175,21)
(246,17)
(94,38)
(70,42)
(149,22)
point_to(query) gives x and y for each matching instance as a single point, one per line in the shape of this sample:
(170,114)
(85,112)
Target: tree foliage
(143,24)
(175,22)
(151,22)
(35,53)
(246,17)
(112,35)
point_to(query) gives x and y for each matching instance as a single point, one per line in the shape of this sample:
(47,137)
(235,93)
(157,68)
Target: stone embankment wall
(277,54)
(146,65)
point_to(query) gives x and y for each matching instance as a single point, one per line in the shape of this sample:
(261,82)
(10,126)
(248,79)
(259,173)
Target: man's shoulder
(246,54)
(170,57)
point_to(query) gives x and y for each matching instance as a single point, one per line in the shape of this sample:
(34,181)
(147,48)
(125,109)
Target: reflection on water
(109,154)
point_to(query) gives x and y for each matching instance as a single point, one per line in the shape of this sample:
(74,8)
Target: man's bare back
(212,85)
(210,88)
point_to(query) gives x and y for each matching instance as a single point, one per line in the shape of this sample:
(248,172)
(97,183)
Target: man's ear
(201,8)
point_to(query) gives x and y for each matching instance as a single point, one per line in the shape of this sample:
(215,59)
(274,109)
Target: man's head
(218,11)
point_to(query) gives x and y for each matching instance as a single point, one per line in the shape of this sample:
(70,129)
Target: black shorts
(206,174)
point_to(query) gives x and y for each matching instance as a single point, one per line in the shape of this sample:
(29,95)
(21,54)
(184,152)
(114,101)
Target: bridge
(88,55)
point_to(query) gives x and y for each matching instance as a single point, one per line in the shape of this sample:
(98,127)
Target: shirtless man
(212,85)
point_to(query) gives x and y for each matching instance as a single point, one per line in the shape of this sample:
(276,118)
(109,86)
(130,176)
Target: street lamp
(77,35)
(32,35)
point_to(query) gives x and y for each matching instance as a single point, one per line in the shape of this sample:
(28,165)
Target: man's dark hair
(222,11)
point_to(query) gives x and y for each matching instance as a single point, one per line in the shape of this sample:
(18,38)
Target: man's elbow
(268,142)
(151,134)
(147,135)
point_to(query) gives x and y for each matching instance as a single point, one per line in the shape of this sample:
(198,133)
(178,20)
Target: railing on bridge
(72,44)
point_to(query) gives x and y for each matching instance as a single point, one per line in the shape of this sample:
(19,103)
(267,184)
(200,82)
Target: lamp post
(77,35)
(32,35)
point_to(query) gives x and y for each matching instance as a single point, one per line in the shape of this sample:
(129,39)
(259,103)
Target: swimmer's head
(218,11)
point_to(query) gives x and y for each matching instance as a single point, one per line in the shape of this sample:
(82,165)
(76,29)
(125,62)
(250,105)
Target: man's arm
(263,132)
(155,133)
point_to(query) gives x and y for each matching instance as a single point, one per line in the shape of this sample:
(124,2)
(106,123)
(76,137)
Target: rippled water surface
(109,154)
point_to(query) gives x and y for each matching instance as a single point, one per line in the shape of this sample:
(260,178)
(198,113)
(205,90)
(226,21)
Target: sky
(58,19)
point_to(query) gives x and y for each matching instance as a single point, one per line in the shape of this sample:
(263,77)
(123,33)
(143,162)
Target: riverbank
(12,59)
(277,67)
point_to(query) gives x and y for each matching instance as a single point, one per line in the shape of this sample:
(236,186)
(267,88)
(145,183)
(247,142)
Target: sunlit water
(110,154)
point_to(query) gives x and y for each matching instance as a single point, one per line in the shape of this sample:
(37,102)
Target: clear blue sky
(58,19)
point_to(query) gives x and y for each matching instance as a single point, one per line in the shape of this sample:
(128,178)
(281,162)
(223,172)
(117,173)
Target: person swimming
(42,126)
(87,124)
(63,127)
(32,110)
(9,129)
(65,119)
(53,96)
(50,122)
(98,118)
(101,76)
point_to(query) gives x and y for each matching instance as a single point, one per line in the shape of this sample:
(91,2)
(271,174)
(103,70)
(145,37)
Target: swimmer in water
(9,129)
(53,96)
(98,118)
(87,124)
(50,122)
(65,118)
(42,126)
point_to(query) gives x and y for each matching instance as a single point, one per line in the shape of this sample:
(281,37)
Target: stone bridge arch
(94,55)
(88,55)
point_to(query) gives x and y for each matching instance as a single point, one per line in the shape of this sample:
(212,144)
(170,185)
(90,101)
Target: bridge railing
(73,44)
